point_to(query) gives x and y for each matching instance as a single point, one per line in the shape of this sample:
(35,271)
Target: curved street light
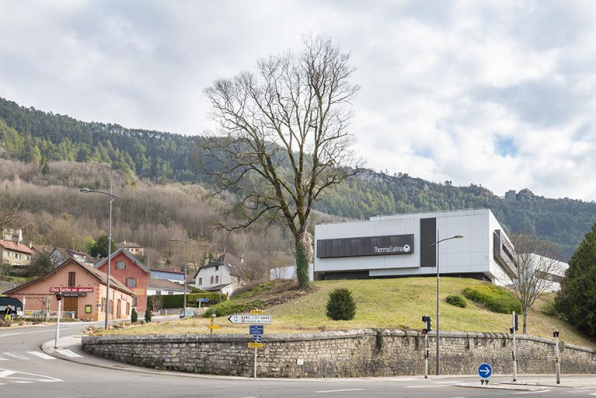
(438,283)
(112,196)
(185,265)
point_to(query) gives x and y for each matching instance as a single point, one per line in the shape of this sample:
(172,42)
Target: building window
(72,279)
(217,279)
(88,309)
(200,281)
(158,292)
(131,282)
(134,301)
(217,267)
(211,280)
(121,265)
(170,293)
(103,305)
(112,307)
(127,308)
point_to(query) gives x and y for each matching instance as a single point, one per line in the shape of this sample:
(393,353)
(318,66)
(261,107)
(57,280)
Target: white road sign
(250,319)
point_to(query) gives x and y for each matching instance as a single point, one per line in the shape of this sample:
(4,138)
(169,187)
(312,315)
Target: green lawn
(381,303)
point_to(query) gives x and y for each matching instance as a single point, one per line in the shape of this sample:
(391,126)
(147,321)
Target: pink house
(83,289)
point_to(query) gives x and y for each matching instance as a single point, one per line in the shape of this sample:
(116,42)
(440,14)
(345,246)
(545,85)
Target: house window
(200,281)
(170,293)
(211,280)
(72,279)
(127,308)
(134,301)
(103,305)
(217,279)
(158,292)
(88,309)
(131,282)
(121,265)
(217,267)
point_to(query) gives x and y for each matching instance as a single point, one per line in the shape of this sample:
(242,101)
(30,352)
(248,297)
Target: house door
(119,310)
(71,304)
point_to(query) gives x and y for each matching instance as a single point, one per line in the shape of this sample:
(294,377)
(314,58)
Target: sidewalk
(71,349)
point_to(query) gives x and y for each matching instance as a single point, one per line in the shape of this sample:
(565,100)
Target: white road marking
(27,377)
(23,382)
(16,356)
(69,353)
(7,372)
(40,354)
(529,392)
(3,359)
(346,390)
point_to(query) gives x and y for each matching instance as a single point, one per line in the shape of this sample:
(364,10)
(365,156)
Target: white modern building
(405,245)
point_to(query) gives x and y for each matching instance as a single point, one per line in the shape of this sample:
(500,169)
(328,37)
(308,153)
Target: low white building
(164,287)
(415,245)
(222,275)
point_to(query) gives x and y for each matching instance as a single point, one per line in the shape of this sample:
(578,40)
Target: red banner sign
(71,289)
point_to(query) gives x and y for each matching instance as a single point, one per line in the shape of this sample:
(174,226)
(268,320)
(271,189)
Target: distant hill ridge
(32,135)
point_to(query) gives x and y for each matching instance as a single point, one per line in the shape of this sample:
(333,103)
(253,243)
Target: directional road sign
(257,338)
(255,329)
(255,345)
(202,300)
(250,319)
(485,371)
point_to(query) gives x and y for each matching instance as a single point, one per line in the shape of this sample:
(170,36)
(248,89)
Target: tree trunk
(525,325)
(302,261)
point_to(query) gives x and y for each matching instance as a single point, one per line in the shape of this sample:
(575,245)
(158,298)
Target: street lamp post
(438,288)
(112,196)
(185,266)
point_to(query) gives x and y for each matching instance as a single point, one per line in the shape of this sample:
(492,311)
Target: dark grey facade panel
(365,246)
(428,236)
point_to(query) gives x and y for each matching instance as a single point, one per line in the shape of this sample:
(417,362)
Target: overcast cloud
(498,93)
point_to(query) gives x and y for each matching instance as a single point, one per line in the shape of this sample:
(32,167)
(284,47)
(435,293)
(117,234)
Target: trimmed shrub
(457,300)
(230,308)
(494,298)
(134,317)
(147,315)
(341,305)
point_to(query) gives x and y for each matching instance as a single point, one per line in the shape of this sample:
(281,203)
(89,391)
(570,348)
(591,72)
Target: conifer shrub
(493,298)
(341,305)
(147,315)
(457,300)
(134,317)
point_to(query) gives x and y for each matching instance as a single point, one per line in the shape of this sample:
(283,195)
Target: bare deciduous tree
(537,270)
(283,138)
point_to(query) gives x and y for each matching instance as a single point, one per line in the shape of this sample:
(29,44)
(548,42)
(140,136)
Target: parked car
(188,314)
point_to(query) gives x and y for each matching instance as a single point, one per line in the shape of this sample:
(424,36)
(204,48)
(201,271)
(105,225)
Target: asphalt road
(25,371)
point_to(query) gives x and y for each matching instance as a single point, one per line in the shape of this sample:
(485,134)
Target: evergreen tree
(101,247)
(577,298)
(341,305)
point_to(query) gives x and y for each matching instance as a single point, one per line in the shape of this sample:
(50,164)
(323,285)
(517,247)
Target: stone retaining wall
(355,353)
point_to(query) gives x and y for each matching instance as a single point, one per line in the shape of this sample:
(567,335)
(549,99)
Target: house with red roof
(131,272)
(14,253)
(83,289)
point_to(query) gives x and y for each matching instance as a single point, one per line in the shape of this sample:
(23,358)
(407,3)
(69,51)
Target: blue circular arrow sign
(485,371)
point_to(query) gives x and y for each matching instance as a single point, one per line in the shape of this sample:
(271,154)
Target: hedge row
(494,298)
(177,300)
(230,308)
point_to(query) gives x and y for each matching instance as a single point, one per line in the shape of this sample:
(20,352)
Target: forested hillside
(42,139)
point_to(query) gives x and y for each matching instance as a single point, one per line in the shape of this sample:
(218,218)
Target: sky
(493,93)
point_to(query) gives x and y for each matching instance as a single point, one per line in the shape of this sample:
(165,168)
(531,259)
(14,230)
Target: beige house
(14,253)
(134,248)
(83,289)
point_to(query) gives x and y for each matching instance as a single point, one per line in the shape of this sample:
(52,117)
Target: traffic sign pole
(513,352)
(558,359)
